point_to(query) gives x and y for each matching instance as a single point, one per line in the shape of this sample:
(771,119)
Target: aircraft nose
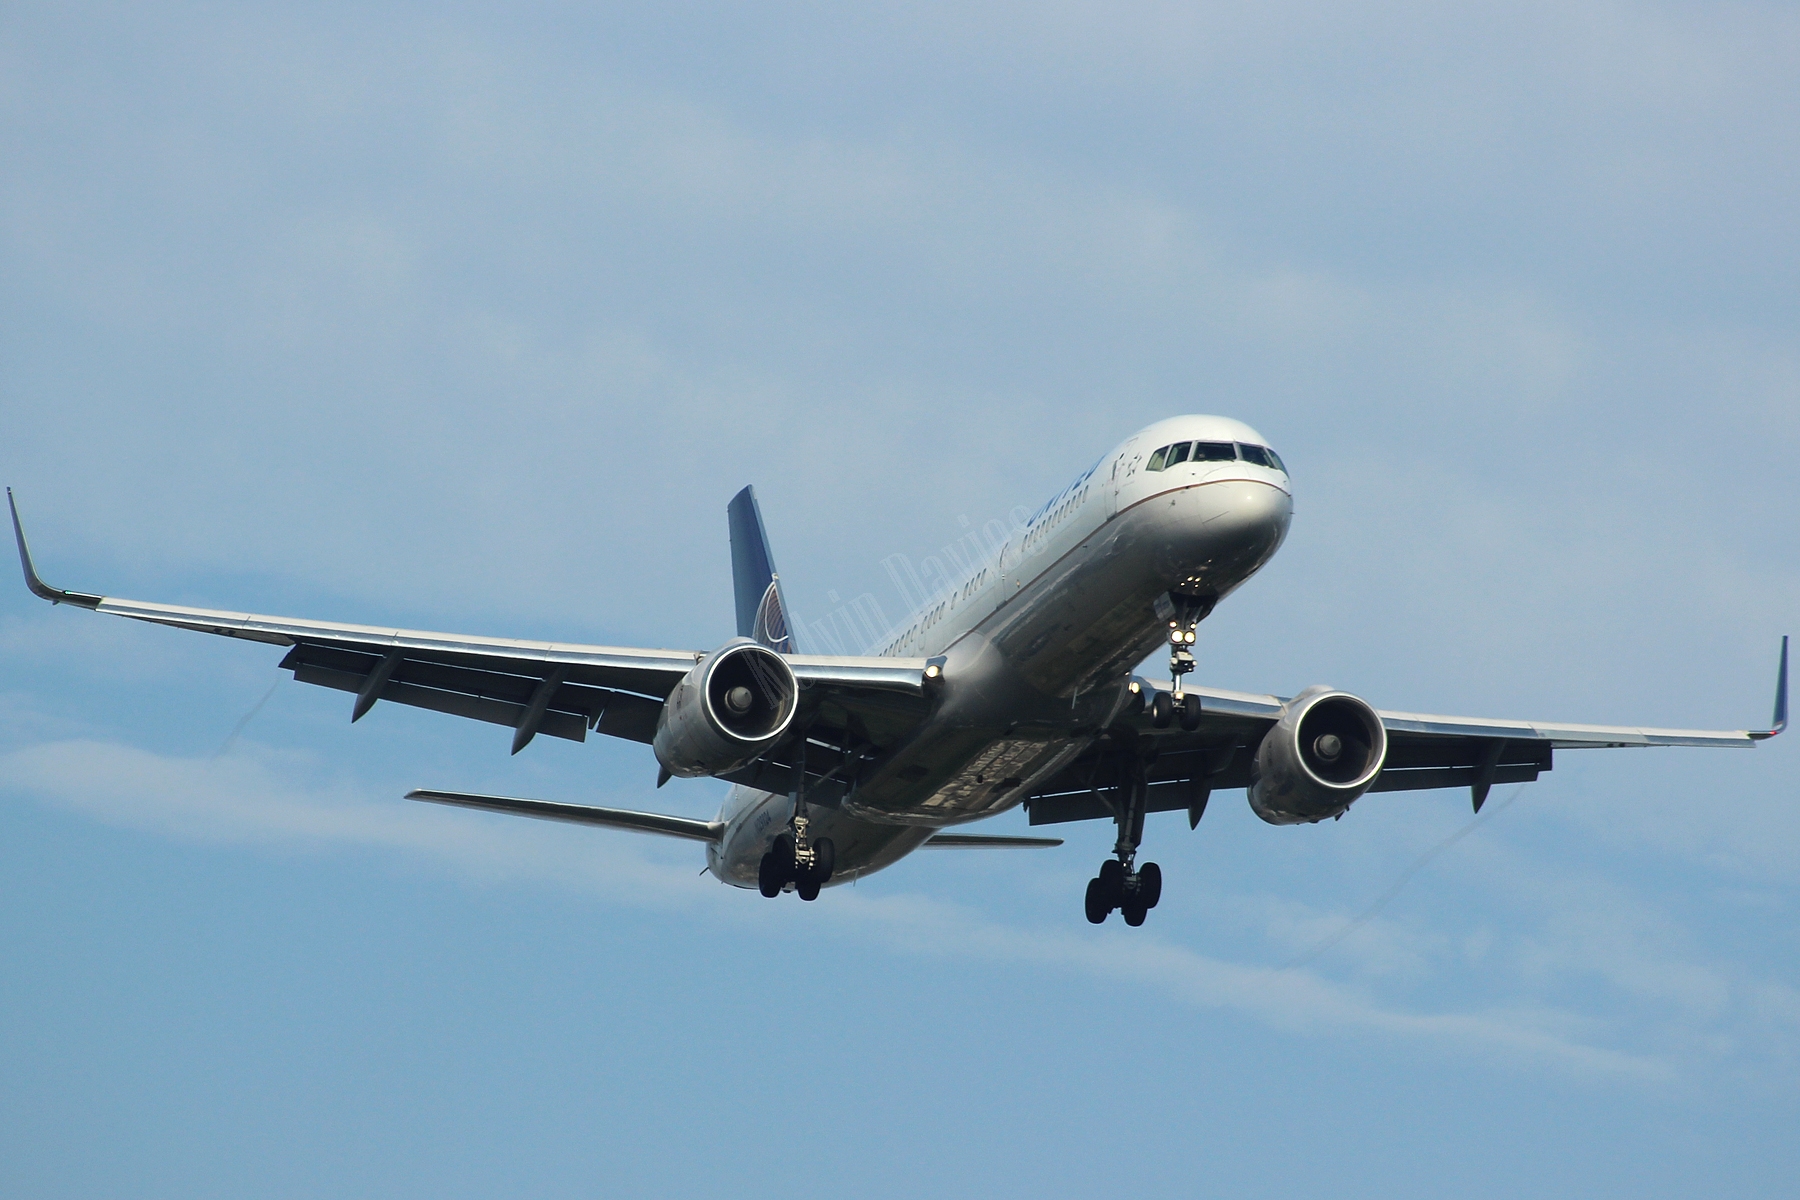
(1227,528)
(1250,508)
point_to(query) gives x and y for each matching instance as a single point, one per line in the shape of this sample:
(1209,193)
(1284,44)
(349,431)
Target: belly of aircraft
(1052,663)
(1031,685)
(862,847)
(967,784)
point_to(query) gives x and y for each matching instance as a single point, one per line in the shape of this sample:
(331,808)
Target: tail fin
(761,612)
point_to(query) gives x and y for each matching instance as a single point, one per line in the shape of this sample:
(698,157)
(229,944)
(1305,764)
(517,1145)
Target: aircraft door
(1122,469)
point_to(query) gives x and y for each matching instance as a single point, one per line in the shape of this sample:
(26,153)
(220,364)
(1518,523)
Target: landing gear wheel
(1149,885)
(770,876)
(1162,710)
(808,880)
(1133,913)
(1097,907)
(1112,883)
(824,860)
(1190,712)
(776,870)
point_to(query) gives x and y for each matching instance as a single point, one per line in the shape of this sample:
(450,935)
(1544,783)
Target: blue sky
(474,318)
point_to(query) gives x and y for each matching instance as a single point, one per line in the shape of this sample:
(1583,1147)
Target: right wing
(1424,752)
(532,687)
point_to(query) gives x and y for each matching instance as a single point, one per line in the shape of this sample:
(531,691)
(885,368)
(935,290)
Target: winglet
(38,587)
(1779,721)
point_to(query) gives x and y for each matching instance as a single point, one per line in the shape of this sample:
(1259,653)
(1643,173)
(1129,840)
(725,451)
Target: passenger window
(1156,460)
(1255,454)
(1177,454)
(1214,452)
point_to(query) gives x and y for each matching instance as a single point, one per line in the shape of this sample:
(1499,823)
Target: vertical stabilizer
(761,611)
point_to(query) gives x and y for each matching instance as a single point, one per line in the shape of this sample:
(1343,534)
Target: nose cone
(1222,531)
(1245,510)
(1259,501)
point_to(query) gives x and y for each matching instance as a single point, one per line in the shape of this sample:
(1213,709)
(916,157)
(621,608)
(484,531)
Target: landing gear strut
(1121,883)
(1189,612)
(795,858)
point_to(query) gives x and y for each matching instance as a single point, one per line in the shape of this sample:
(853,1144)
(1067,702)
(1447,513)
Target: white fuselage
(1039,644)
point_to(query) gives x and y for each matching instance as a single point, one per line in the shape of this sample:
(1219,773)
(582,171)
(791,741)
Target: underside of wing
(852,706)
(1216,750)
(560,689)
(851,711)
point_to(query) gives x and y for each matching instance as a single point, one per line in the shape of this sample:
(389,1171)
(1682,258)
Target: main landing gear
(1133,893)
(796,860)
(1121,884)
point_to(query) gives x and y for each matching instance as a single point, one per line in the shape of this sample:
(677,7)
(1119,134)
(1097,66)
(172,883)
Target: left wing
(1423,752)
(533,687)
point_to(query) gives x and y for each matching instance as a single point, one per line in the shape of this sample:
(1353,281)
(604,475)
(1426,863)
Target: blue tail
(761,612)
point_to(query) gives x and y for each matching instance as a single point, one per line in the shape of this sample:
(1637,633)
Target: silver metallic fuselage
(1039,646)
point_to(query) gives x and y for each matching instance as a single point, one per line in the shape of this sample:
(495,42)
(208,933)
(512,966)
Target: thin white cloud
(255,796)
(260,796)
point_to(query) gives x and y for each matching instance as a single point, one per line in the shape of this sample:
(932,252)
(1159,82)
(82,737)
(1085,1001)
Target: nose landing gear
(1121,883)
(1164,708)
(1189,612)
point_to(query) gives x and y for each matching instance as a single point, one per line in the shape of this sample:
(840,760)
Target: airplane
(1015,687)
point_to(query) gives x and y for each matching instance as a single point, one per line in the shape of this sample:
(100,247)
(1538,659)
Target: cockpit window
(1181,452)
(1214,452)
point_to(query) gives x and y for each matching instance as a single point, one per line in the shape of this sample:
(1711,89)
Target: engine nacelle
(1325,751)
(734,704)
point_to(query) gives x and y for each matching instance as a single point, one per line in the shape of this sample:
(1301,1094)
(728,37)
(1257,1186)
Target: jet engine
(734,704)
(1325,751)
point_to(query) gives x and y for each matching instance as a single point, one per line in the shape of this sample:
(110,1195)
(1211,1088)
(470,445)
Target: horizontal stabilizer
(983,841)
(580,814)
